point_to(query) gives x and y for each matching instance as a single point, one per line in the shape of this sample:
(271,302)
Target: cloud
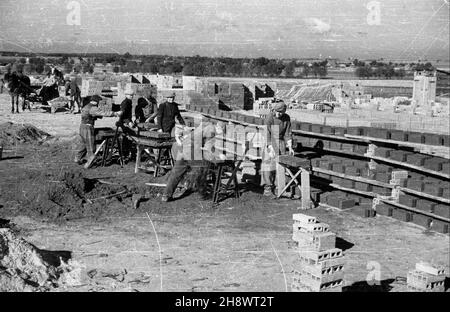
(317,26)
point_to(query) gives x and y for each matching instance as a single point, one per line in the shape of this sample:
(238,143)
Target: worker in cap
(167,112)
(193,151)
(89,114)
(278,139)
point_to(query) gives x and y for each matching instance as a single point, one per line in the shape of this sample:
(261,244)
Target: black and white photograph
(231,149)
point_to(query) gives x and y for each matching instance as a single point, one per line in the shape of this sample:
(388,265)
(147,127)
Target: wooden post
(305,190)
(138,158)
(280,178)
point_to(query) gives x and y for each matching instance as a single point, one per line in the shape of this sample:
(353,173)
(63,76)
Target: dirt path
(186,245)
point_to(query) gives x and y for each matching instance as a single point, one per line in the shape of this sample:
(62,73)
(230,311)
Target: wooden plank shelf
(328,136)
(387,201)
(425,195)
(385,160)
(406,165)
(434,150)
(425,213)
(353,178)
(381,184)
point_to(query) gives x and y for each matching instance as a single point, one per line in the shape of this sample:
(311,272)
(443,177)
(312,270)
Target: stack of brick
(140,90)
(321,264)
(91,87)
(426,278)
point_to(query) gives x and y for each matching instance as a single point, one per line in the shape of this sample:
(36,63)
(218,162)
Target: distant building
(424,91)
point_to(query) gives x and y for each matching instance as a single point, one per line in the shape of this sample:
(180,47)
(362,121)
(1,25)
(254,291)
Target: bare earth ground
(186,245)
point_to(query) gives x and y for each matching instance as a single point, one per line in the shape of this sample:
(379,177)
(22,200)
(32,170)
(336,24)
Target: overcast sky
(403,29)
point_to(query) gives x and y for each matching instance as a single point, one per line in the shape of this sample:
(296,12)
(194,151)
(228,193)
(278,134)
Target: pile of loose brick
(426,278)
(321,264)
(340,155)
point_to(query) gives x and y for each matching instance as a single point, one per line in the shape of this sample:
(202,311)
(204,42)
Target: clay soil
(184,245)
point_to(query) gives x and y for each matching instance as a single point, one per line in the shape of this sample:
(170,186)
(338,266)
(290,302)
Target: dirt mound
(22,267)
(11,134)
(70,196)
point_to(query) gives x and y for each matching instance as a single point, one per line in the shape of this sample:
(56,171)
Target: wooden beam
(328,136)
(280,178)
(305,189)
(350,190)
(156,184)
(138,158)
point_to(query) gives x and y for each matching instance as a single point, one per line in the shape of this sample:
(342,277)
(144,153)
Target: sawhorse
(110,139)
(284,164)
(148,144)
(219,168)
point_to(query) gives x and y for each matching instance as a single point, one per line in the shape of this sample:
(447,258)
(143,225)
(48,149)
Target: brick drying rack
(356,165)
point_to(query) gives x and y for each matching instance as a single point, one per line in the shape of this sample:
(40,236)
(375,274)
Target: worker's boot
(268,191)
(136,198)
(79,161)
(89,162)
(165,198)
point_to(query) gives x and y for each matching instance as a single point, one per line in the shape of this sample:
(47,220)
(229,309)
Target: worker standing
(167,112)
(74,93)
(279,137)
(126,124)
(89,114)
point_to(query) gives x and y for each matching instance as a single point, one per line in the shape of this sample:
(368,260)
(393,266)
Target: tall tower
(424,91)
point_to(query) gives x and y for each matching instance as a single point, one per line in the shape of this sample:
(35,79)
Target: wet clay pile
(12,134)
(22,266)
(70,196)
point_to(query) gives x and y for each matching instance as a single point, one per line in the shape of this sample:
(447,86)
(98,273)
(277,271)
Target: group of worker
(164,116)
(18,86)
(146,111)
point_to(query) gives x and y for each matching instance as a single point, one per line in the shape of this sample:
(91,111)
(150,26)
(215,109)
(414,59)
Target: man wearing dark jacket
(167,112)
(125,122)
(126,109)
